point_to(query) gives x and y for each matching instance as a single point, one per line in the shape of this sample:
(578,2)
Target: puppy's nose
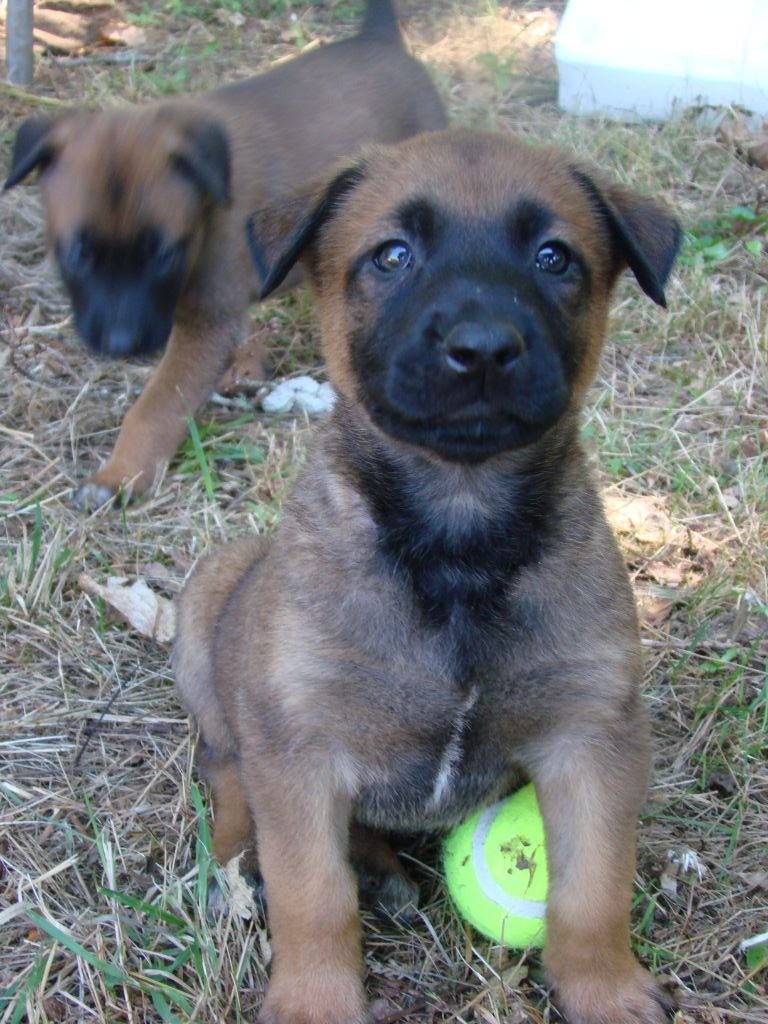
(119,340)
(472,347)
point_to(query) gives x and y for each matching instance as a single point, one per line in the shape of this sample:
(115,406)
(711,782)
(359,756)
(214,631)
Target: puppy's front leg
(590,781)
(154,427)
(312,908)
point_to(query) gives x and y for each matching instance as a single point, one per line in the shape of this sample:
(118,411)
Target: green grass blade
(112,975)
(157,913)
(163,1007)
(202,459)
(37,538)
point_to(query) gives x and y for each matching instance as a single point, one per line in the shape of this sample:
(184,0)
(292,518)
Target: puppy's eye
(553,258)
(161,255)
(392,257)
(166,258)
(78,255)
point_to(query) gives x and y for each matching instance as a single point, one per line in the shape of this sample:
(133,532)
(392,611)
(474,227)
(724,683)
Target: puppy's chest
(451,768)
(460,583)
(476,632)
(449,558)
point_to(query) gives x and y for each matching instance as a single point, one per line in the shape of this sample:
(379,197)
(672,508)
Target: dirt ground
(104,863)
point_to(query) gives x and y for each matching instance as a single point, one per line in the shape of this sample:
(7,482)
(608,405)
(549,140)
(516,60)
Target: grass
(104,845)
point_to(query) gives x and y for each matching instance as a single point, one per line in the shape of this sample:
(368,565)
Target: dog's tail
(380,21)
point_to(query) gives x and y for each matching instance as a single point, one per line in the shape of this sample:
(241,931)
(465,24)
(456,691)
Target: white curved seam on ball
(490,887)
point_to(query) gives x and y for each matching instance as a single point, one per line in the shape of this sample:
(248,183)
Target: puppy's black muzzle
(473,371)
(123,295)
(115,327)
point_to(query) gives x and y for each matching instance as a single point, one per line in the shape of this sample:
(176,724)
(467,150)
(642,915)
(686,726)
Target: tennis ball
(496,870)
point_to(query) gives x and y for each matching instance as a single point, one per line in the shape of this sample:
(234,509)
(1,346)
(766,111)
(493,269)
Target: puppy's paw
(393,893)
(317,998)
(92,495)
(634,998)
(121,483)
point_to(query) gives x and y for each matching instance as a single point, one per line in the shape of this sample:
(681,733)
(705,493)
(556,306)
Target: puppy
(444,609)
(146,209)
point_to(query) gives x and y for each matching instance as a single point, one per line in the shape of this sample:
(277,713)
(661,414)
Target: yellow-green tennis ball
(496,871)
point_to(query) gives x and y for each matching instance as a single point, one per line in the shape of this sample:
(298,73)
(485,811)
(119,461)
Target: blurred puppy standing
(146,210)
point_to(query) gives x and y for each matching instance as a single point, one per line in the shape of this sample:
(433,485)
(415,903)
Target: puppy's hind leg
(234,832)
(382,881)
(198,610)
(200,607)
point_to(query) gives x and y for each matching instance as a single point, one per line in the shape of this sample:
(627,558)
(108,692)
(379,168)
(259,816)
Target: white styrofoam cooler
(646,58)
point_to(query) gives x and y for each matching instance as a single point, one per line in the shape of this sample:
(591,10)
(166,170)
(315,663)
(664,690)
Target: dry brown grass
(103,865)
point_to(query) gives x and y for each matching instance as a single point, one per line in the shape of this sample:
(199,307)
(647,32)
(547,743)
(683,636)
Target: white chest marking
(452,753)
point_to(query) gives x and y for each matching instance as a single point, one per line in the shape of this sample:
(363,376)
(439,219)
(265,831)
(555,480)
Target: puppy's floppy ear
(204,158)
(645,234)
(32,148)
(279,235)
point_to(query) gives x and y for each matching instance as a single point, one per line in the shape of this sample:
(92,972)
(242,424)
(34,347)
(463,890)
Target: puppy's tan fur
(428,627)
(114,175)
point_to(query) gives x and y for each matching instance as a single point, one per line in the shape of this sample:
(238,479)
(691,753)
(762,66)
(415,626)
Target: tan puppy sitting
(443,610)
(146,209)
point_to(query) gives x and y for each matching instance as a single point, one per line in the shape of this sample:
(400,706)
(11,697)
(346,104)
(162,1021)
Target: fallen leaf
(668,575)
(647,530)
(641,515)
(144,610)
(757,155)
(240,894)
(117,33)
(159,571)
(653,609)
